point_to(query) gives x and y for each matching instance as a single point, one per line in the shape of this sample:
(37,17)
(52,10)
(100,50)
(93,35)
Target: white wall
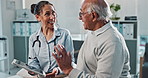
(68,11)
(0,19)
(143,16)
(29,2)
(8,15)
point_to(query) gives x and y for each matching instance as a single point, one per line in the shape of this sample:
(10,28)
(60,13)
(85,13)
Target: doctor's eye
(47,14)
(52,13)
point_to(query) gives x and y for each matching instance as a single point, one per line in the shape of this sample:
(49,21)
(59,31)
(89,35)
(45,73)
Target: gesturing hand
(63,59)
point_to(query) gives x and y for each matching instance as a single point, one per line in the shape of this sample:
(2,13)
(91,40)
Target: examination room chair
(77,45)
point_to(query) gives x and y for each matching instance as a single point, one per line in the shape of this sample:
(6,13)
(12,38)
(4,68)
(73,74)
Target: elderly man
(104,53)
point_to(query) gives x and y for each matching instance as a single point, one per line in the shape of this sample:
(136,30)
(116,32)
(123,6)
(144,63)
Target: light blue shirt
(41,58)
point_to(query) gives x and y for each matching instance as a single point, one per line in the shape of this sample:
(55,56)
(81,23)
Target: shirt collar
(56,34)
(56,31)
(102,29)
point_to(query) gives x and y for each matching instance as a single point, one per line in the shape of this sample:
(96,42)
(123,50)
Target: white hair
(103,12)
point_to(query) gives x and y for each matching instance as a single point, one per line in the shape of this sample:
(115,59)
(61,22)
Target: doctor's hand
(52,74)
(63,59)
(32,73)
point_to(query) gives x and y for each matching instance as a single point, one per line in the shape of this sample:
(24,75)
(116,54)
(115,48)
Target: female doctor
(42,42)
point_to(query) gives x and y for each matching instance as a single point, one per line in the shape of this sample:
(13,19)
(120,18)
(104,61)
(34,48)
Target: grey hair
(103,12)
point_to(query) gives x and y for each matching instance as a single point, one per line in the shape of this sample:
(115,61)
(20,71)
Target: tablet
(60,75)
(27,67)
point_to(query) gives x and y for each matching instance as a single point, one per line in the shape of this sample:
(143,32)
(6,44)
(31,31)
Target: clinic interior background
(67,11)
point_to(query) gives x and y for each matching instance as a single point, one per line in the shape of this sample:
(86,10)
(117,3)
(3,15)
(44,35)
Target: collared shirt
(104,54)
(41,57)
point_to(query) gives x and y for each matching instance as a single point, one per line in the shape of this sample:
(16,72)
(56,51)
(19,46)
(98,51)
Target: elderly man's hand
(63,59)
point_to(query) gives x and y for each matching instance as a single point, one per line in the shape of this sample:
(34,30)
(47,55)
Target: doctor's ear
(38,17)
(95,16)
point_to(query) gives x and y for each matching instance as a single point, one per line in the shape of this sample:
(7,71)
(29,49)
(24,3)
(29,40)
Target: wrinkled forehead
(84,5)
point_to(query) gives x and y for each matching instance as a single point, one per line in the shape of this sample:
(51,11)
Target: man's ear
(38,17)
(95,16)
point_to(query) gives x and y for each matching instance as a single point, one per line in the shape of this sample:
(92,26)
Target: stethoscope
(39,42)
